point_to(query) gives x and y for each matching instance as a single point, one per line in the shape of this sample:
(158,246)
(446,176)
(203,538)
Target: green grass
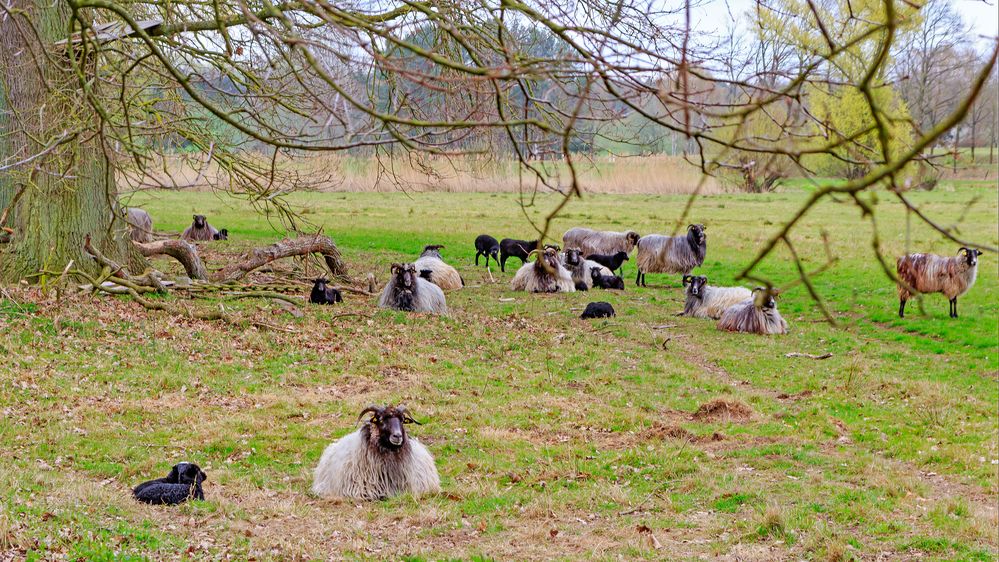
(555,438)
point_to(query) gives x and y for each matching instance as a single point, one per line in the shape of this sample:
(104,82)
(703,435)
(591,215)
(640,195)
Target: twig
(808,355)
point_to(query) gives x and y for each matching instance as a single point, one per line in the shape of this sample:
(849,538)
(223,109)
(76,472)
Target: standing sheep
(377,461)
(441,274)
(705,301)
(200,230)
(513,248)
(407,291)
(544,275)
(755,315)
(671,254)
(612,262)
(600,242)
(930,273)
(487,246)
(140,224)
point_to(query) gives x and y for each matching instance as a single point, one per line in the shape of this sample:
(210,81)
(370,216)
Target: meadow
(646,436)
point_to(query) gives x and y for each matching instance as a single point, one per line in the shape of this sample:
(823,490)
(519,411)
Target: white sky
(982,15)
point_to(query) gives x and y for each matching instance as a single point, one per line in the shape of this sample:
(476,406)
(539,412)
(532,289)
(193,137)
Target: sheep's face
(633,238)
(550,257)
(186,473)
(622,256)
(764,299)
(200,221)
(573,257)
(405,275)
(971,256)
(595,273)
(320,284)
(388,425)
(696,234)
(426,273)
(695,284)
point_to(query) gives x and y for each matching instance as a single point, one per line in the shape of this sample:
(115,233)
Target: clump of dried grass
(722,409)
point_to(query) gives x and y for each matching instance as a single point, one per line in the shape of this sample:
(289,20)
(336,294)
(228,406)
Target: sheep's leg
(638,279)
(503,263)
(953,307)
(901,308)
(477,259)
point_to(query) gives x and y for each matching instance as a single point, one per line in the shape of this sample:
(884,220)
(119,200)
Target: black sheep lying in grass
(598,309)
(606,281)
(321,294)
(182,484)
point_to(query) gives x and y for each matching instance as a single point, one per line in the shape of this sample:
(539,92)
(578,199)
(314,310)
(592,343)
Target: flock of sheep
(379,459)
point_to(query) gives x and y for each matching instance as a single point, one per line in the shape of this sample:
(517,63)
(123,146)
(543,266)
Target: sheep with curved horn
(707,301)
(755,315)
(407,291)
(545,274)
(377,461)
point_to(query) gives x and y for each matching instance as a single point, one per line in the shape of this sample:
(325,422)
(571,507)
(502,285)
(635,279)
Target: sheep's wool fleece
(715,301)
(350,469)
(746,317)
(429,297)
(666,254)
(441,274)
(528,279)
(597,242)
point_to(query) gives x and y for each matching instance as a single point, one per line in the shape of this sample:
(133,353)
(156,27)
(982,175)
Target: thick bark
(67,192)
(181,250)
(301,246)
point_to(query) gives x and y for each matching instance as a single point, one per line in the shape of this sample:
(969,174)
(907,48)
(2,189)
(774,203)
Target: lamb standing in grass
(930,273)
(377,461)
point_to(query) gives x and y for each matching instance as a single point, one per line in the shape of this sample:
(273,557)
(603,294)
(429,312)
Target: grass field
(555,438)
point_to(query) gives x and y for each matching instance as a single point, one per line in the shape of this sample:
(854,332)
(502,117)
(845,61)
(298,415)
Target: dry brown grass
(656,175)
(721,409)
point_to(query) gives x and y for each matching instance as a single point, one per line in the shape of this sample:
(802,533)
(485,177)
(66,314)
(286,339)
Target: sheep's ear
(686,279)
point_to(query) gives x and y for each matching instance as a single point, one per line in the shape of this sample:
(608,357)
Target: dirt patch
(722,409)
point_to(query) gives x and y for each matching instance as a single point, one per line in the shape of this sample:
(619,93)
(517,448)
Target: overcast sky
(982,15)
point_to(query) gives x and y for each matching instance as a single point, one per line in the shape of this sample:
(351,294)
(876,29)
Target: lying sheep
(322,294)
(612,262)
(606,281)
(406,291)
(199,230)
(377,461)
(441,274)
(581,269)
(671,254)
(487,246)
(513,248)
(222,234)
(140,224)
(705,301)
(598,309)
(544,275)
(599,242)
(755,315)
(930,273)
(181,484)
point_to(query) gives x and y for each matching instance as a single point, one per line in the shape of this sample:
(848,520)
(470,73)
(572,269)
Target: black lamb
(612,262)
(322,294)
(598,309)
(606,281)
(221,235)
(183,483)
(487,246)
(511,248)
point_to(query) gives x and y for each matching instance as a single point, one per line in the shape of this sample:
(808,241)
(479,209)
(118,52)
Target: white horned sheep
(545,274)
(591,241)
(377,461)
(407,291)
(755,315)
(671,254)
(706,301)
(441,274)
(930,273)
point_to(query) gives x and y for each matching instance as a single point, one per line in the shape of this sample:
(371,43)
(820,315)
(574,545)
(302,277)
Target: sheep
(183,483)
(606,281)
(441,274)
(487,246)
(140,224)
(406,291)
(756,315)
(512,248)
(544,275)
(930,273)
(671,254)
(581,269)
(199,230)
(321,294)
(222,234)
(598,309)
(600,242)
(377,461)
(612,262)
(705,301)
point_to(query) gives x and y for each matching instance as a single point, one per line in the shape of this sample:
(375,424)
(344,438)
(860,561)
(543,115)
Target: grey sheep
(407,291)
(755,315)
(200,230)
(545,274)
(930,273)
(706,301)
(591,241)
(671,254)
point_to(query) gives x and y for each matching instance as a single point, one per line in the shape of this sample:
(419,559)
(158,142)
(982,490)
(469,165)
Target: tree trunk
(54,200)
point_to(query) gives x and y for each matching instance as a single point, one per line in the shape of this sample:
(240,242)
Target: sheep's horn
(376,410)
(686,279)
(965,249)
(533,252)
(406,418)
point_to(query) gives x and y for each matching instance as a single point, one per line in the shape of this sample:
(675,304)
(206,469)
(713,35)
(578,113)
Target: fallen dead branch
(301,246)
(181,250)
(808,355)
